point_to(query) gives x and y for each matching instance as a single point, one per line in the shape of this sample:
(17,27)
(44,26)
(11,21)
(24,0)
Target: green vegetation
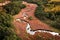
(5,19)
(6,27)
(2,0)
(52,17)
(6,30)
(8,34)
(14,7)
(30,18)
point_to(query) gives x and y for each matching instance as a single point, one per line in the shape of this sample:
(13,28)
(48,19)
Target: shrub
(8,34)
(22,6)
(5,19)
(30,18)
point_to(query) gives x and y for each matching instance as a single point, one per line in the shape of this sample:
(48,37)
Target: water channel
(32,32)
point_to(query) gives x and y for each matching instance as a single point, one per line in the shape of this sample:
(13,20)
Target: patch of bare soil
(20,27)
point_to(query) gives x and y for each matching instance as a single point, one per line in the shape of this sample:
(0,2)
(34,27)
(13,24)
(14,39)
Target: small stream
(32,32)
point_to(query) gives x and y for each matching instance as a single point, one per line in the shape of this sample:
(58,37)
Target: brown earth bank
(20,27)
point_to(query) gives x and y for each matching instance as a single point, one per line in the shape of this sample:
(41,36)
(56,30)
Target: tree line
(6,17)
